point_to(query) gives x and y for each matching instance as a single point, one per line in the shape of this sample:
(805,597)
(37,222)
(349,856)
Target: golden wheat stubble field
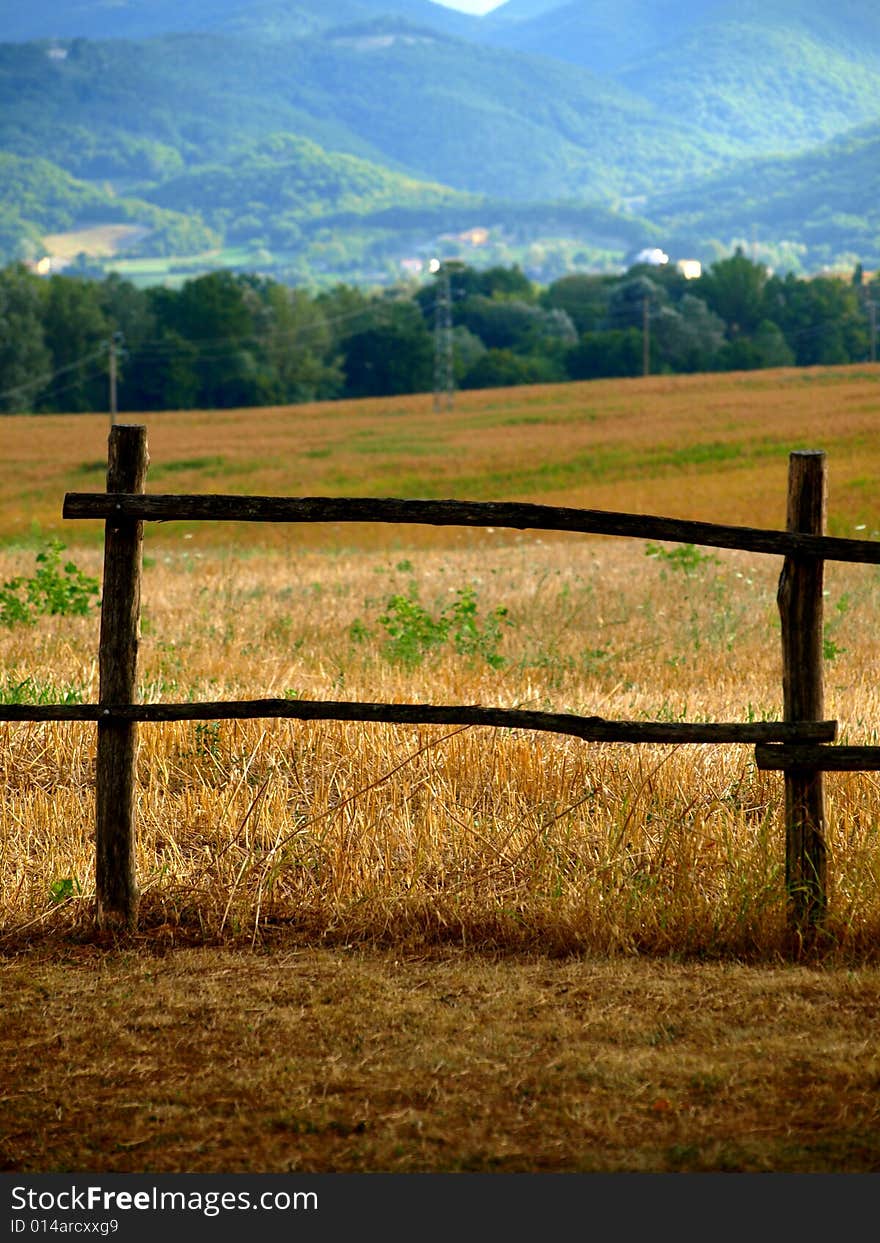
(447,948)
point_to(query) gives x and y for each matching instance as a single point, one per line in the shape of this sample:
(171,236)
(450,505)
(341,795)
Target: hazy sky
(471,6)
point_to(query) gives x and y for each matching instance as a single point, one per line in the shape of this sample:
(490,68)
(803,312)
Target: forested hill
(778,75)
(825,200)
(292,183)
(37,197)
(604,35)
(438,108)
(246,117)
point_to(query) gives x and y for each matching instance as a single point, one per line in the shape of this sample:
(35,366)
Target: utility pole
(646,337)
(114,340)
(872,316)
(444,374)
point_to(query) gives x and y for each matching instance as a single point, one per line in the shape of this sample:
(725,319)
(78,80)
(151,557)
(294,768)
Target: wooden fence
(797,745)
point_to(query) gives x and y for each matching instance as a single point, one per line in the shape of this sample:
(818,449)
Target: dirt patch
(365,1060)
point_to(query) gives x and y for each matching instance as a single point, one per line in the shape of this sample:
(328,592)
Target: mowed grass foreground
(493,906)
(499,838)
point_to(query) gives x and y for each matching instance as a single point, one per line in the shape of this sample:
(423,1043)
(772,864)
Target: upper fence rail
(209,507)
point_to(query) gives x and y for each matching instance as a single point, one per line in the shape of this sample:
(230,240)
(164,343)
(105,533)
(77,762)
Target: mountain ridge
(95,19)
(540,131)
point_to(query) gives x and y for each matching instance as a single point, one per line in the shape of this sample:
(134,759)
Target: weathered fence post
(115,883)
(801,612)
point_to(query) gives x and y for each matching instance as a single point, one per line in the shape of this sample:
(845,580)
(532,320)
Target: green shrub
(413,631)
(53,588)
(685,558)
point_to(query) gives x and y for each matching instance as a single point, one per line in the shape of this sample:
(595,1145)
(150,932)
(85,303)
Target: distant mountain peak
(523,10)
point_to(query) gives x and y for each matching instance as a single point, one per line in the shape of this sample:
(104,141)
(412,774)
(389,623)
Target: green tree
(164,376)
(395,354)
(734,289)
(215,313)
(129,313)
(504,368)
(296,344)
(78,332)
(618,352)
(346,310)
(766,347)
(127,310)
(467,348)
(501,282)
(686,337)
(823,319)
(628,299)
(511,324)
(25,359)
(583,298)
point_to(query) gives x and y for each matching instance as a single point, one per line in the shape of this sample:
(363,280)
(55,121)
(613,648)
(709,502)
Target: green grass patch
(31,691)
(186,464)
(595,465)
(55,588)
(398,445)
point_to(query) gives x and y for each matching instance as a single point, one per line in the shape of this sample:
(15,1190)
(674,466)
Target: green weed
(30,691)
(53,588)
(468,636)
(684,558)
(61,890)
(413,631)
(831,649)
(207,740)
(358,631)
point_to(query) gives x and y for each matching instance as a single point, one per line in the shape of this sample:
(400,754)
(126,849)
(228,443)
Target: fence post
(115,883)
(801,613)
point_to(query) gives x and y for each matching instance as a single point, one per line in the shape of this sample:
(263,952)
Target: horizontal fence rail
(232,508)
(795,757)
(587,728)
(796,745)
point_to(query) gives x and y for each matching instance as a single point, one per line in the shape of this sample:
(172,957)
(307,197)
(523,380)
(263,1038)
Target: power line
(87,378)
(41,381)
(207,345)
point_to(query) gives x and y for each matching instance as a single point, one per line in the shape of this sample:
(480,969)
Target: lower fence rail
(771,757)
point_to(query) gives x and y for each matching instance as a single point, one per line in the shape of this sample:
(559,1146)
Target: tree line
(232,340)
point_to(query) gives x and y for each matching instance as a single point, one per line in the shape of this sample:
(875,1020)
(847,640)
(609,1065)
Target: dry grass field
(426,948)
(711,447)
(101,241)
